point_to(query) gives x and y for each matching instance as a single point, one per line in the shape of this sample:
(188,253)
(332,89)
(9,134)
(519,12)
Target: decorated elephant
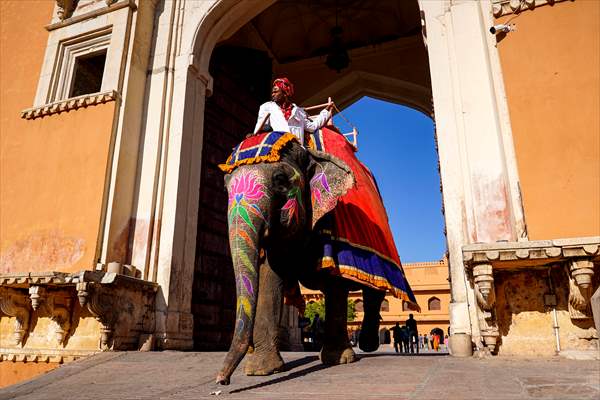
(281,197)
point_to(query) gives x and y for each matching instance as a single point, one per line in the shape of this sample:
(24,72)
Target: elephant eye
(280,182)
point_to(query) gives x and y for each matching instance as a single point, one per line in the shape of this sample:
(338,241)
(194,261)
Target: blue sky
(397,144)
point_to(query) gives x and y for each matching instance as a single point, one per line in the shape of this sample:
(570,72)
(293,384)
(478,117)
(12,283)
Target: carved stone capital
(15,303)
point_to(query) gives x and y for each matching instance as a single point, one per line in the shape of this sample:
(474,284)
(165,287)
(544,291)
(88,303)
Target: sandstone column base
(460,345)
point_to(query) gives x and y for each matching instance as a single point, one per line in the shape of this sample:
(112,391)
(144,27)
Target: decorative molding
(53,356)
(507,255)
(123,305)
(70,104)
(111,5)
(505,7)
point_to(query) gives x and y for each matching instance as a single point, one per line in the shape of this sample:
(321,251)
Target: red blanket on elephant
(360,245)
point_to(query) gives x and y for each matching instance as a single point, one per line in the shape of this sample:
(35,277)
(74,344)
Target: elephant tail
(246,224)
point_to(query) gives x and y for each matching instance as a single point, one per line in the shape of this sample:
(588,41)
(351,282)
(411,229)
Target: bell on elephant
(296,214)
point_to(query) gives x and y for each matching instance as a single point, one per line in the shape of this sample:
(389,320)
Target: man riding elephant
(281,198)
(280,114)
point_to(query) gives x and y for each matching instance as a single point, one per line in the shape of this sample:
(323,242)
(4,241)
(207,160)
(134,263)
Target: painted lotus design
(292,206)
(320,179)
(244,194)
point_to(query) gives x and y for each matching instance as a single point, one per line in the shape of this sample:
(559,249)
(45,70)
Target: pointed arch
(434,304)
(356,84)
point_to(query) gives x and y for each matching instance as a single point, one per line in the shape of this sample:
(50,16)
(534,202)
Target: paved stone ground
(381,375)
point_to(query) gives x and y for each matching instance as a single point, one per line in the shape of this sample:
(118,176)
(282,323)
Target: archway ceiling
(299,29)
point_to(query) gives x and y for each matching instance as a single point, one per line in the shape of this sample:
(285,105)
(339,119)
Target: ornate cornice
(47,355)
(504,7)
(67,7)
(73,103)
(531,253)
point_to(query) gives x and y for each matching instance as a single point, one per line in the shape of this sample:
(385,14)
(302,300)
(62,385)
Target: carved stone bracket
(14,303)
(483,284)
(504,7)
(581,272)
(118,308)
(103,305)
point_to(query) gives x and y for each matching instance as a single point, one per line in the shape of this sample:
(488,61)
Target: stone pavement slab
(381,375)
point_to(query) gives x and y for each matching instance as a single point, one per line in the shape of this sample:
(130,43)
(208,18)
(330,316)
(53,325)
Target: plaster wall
(52,168)
(551,68)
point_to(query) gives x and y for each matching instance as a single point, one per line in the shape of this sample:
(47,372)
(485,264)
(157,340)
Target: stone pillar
(477,163)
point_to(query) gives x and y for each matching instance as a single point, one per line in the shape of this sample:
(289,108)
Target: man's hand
(330,104)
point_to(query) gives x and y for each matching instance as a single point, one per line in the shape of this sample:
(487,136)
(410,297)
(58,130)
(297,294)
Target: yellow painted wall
(16,372)
(551,68)
(52,169)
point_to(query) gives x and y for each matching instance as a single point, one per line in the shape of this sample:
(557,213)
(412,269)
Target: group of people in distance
(407,339)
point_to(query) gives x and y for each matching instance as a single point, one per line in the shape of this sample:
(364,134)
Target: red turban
(285,85)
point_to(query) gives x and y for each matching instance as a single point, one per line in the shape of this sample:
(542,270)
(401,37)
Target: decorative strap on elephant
(264,147)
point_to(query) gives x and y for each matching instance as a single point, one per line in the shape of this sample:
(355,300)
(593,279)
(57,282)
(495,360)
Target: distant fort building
(429,282)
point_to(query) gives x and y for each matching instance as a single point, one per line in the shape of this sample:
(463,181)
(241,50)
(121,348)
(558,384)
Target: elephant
(274,210)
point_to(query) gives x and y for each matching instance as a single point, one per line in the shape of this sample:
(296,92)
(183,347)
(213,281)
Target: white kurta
(296,124)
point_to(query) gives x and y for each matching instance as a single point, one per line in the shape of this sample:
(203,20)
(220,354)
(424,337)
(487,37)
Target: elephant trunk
(246,222)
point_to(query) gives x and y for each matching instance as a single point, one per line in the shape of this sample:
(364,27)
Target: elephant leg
(336,345)
(265,359)
(368,339)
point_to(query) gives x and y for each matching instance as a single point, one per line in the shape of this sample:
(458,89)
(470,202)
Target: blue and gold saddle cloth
(263,147)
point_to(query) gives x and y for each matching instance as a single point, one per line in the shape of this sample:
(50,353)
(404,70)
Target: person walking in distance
(413,333)
(397,336)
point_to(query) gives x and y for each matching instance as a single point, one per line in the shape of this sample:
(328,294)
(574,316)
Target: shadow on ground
(288,367)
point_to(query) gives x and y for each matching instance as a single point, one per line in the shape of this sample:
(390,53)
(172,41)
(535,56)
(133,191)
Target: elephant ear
(330,179)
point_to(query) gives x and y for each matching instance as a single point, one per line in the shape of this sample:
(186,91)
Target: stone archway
(478,169)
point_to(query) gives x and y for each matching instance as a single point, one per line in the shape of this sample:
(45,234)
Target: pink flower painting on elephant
(245,193)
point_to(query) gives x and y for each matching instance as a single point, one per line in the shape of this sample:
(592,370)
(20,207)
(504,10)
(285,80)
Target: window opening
(88,73)
(358,306)
(385,305)
(434,304)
